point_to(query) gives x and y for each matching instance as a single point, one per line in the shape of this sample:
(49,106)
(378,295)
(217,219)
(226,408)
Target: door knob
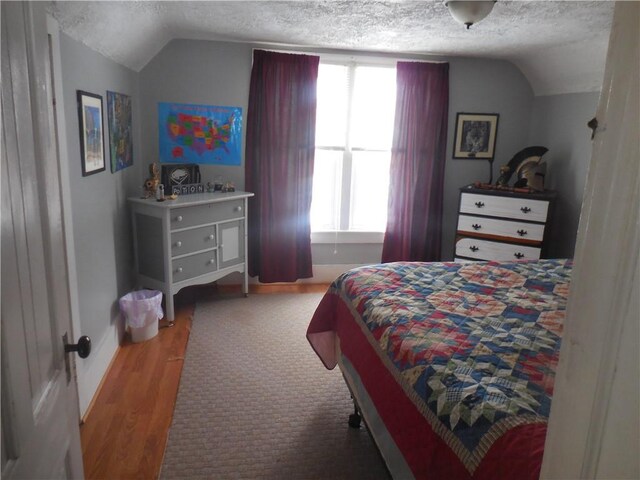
(83,347)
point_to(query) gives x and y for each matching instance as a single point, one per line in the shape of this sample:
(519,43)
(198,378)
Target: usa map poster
(201,134)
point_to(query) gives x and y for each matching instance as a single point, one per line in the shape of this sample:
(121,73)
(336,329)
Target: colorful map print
(199,134)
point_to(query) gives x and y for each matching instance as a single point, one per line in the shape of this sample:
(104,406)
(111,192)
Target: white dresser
(192,240)
(501,225)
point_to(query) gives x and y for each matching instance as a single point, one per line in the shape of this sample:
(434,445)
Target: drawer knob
(179,218)
(211,237)
(473,248)
(237,209)
(522,233)
(518,255)
(476,226)
(212,261)
(479,204)
(178,243)
(179,270)
(525,209)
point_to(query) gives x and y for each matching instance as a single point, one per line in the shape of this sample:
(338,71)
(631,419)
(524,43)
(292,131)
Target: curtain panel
(414,217)
(281,124)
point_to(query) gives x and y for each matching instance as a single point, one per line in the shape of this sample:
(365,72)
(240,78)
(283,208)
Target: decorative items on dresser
(194,239)
(502,224)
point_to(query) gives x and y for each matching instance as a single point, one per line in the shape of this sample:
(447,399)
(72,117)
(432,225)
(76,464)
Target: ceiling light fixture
(469,12)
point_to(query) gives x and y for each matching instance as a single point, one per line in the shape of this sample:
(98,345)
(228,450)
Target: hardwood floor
(125,430)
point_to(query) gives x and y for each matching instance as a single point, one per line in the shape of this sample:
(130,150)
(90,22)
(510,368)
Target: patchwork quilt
(458,359)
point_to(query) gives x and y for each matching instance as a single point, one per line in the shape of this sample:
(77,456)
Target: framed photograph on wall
(91,133)
(475,136)
(120,130)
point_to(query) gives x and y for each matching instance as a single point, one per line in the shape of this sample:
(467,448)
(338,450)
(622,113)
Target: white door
(40,433)
(594,425)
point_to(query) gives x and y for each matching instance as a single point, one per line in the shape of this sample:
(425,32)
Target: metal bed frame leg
(355,418)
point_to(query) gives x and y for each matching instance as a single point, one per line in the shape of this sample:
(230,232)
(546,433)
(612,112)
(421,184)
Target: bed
(451,365)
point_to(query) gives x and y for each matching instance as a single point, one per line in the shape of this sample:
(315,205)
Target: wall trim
(65,191)
(93,369)
(328,273)
(321,273)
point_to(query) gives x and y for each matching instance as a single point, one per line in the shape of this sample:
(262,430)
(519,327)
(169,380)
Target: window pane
(331,112)
(369,191)
(325,201)
(374,99)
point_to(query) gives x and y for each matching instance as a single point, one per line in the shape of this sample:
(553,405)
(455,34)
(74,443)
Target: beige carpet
(255,402)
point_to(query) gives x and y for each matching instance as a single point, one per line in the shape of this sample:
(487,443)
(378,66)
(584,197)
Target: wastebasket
(142,309)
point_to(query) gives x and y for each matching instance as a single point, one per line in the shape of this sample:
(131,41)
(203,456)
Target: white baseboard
(327,273)
(92,369)
(321,274)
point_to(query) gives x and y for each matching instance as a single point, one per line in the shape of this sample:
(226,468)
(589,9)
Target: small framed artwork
(120,135)
(475,136)
(91,133)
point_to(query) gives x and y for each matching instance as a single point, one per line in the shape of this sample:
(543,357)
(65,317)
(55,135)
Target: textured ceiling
(560,46)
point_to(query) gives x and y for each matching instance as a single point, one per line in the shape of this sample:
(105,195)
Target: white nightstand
(192,240)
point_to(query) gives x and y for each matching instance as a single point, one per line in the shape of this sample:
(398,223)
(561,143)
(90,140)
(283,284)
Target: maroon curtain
(414,221)
(281,127)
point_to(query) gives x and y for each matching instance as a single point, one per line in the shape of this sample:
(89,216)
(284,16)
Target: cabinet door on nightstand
(231,246)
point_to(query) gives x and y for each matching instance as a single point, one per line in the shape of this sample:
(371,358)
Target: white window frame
(344,235)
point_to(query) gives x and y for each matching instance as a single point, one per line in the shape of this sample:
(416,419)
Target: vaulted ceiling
(560,46)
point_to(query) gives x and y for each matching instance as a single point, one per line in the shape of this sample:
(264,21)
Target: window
(354,129)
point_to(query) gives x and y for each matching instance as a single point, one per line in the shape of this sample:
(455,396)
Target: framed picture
(120,135)
(91,133)
(475,136)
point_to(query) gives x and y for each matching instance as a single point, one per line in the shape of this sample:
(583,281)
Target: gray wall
(187,71)
(483,86)
(559,122)
(101,224)
(218,73)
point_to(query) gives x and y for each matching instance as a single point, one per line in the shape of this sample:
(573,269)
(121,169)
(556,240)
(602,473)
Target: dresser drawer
(501,228)
(205,214)
(193,240)
(194,265)
(487,250)
(509,207)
